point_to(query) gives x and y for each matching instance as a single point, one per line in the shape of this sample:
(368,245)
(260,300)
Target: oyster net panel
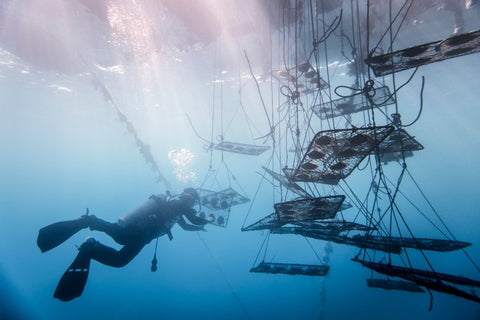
(241,148)
(290,185)
(332,237)
(237,198)
(291,268)
(333,227)
(399,141)
(394,285)
(455,46)
(398,145)
(219,217)
(334,154)
(220,200)
(269,222)
(217,204)
(308,209)
(343,106)
(302,78)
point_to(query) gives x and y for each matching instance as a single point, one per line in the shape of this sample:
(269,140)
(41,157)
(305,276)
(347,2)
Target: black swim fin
(74,279)
(55,234)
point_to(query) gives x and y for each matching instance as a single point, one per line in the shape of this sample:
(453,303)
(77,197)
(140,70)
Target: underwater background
(64,149)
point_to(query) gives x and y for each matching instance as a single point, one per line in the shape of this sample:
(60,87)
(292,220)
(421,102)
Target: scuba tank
(153,215)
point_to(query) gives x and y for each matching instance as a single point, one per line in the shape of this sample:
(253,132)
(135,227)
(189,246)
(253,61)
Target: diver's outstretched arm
(195,219)
(188,227)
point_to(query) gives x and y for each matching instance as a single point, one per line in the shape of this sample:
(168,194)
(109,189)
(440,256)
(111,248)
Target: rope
(260,250)
(430,308)
(421,212)
(369,90)
(315,252)
(441,221)
(421,105)
(389,27)
(225,278)
(210,144)
(401,23)
(255,195)
(261,97)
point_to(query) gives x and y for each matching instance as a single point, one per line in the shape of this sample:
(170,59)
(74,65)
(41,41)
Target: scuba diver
(152,219)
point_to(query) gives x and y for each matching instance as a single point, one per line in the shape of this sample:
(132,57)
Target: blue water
(63,149)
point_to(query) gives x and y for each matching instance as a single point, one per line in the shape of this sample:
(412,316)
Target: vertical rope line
(213,105)
(391,50)
(315,252)
(225,277)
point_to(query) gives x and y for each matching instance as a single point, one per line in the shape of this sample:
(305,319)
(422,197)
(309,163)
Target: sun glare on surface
(132,30)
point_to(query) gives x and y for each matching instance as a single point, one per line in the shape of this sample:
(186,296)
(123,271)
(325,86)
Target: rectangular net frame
(303,78)
(241,148)
(353,104)
(291,268)
(333,154)
(217,204)
(455,46)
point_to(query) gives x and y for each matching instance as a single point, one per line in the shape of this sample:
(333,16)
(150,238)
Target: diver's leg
(112,229)
(110,256)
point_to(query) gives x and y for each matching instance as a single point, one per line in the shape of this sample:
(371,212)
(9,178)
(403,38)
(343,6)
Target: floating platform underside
(333,154)
(455,46)
(291,268)
(389,284)
(248,149)
(356,103)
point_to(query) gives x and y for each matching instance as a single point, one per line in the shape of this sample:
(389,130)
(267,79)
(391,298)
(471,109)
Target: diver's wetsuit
(152,219)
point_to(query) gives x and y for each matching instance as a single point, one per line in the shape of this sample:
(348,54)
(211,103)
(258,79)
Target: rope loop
(369,89)
(396,119)
(289,93)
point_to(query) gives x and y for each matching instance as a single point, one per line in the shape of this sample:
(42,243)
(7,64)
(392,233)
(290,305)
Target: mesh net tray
(302,78)
(353,104)
(290,185)
(455,46)
(241,148)
(217,204)
(334,154)
(398,145)
(269,222)
(291,268)
(394,285)
(308,209)
(298,211)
